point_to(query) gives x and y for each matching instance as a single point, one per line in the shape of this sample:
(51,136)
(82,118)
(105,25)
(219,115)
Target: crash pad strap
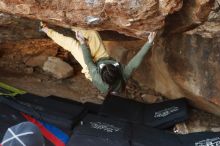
(14,91)
(46,133)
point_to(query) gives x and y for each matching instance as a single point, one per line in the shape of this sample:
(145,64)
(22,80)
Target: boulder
(58,68)
(131,17)
(36,61)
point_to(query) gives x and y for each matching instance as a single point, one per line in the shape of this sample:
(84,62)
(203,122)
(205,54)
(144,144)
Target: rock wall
(192,14)
(131,17)
(184,61)
(186,64)
(14,28)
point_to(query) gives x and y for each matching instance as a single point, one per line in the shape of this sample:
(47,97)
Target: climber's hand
(151,37)
(80,37)
(43,25)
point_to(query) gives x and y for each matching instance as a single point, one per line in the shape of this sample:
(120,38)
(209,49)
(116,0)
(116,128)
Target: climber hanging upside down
(108,75)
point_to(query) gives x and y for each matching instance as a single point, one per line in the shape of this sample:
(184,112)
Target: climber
(108,75)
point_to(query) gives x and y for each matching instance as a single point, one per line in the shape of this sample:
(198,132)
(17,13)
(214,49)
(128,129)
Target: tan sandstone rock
(58,68)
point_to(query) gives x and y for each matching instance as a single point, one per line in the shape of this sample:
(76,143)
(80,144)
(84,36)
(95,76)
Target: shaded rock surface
(192,14)
(187,64)
(198,122)
(15,28)
(18,54)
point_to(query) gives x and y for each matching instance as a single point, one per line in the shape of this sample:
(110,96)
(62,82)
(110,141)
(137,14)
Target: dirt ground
(76,88)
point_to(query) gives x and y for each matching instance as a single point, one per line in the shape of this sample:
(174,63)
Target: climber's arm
(137,59)
(66,42)
(93,70)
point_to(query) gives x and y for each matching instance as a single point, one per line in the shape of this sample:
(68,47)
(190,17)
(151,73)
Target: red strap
(44,131)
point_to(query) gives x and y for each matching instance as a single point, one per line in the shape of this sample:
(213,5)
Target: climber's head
(111,74)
